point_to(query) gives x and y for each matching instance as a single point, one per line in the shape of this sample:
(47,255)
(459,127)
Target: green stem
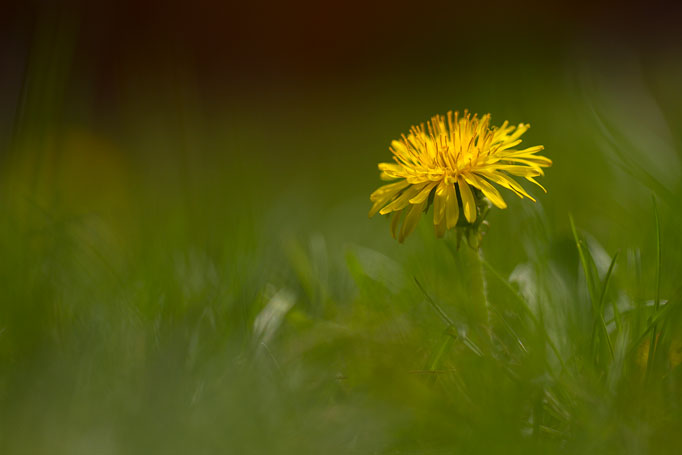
(527,309)
(479,310)
(481,306)
(484,290)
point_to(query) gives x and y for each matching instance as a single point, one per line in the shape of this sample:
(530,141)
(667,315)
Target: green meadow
(193,275)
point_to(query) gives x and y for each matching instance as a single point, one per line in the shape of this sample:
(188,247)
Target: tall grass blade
(527,310)
(653,323)
(592,278)
(433,303)
(657,299)
(605,286)
(658,256)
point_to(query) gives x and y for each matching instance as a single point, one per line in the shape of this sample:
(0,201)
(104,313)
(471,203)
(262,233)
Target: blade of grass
(591,276)
(509,329)
(633,313)
(658,256)
(657,298)
(433,303)
(451,329)
(607,279)
(447,341)
(655,319)
(450,335)
(527,309)
(583,252)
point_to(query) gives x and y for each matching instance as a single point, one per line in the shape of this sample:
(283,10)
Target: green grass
(187,281)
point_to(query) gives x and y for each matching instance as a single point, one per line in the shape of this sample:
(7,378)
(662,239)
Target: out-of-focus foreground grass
(188,279)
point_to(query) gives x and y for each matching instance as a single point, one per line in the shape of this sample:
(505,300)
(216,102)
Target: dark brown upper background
(100,55)
(302,39)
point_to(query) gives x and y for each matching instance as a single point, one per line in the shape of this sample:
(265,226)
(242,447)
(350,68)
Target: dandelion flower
(452,162)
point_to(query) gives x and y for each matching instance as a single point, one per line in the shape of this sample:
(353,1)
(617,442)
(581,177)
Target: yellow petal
(411,220)
(507,145)
(391,171)
(537,167)
(383,195)
(531,179)
(375,208)
(534,160)
(506,182)
(403,200)
(488,190)
(522,128)
(390,167)
(520,171)
(390,189)
(430,149)
(451,206)
(439,201)
(527,151)
(440,228)
(423,194)
(395,222)
(399,147)
(468,202)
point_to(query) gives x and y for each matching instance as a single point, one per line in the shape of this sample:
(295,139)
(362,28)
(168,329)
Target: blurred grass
(184,278)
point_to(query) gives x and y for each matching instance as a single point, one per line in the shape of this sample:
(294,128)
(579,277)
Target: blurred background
(186,261)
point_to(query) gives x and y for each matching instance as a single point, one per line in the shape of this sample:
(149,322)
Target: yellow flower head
(452,163)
